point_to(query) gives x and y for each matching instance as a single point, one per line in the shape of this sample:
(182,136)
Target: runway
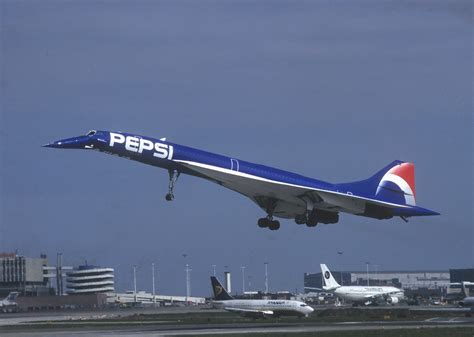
(180,330)
(32,317)
(176,321)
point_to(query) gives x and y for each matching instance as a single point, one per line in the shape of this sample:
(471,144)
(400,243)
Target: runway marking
(431,319)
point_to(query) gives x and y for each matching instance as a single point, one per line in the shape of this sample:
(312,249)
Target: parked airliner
(361,294)
(467,302)
(9,303)
(257,308)
(388,193)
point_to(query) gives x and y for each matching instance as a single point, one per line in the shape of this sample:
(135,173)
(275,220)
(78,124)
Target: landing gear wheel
(301,219)
(268,221)
(274,225)
(262,222)
(312,220)
(169,197)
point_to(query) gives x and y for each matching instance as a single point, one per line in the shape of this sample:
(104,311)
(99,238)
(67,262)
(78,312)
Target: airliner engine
(392,300)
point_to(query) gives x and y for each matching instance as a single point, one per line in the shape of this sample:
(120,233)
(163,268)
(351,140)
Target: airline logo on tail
(220,294)
(327,275)
(399,182)
(217,290)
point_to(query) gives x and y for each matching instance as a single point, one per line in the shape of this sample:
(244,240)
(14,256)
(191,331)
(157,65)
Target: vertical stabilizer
(11,298)
(220,294)
(329,280)
(395,183)
(398,185)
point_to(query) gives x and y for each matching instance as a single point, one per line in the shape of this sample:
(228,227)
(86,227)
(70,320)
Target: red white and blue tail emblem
(398,185)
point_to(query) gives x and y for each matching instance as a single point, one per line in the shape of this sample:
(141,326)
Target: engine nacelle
(317,216)
(326,217)
(392,300)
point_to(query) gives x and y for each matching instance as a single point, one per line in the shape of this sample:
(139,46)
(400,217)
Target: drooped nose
(81,142)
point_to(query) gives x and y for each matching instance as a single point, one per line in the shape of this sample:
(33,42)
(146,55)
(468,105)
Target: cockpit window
(303,305)
(91,133)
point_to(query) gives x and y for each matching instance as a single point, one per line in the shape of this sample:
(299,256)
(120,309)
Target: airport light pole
(266,277)
(214,269)
(188,280)
(134,284)
(367,264)
(376,273)
(59,274)
(340,254)
(153,283)
(243,279)
(188,291)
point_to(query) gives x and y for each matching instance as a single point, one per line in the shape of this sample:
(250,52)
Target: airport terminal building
(462,275)
(26,275)
(89,279)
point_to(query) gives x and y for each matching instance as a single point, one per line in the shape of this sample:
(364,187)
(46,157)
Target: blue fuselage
(294,192)
(167,155)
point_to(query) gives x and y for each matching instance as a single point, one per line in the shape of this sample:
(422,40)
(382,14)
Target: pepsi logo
(138,145)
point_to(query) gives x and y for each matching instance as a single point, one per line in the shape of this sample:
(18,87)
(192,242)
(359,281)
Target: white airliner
(467,302)
(361,294)
(257,308)
(9,303)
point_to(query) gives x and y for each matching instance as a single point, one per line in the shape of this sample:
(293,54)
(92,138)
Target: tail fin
(12,296)
(220,294)
(330,282)
(394,183)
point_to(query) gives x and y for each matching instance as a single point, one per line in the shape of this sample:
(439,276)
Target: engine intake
(392,300)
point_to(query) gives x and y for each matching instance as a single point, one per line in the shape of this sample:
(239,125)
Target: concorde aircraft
(280,194)
(257,308)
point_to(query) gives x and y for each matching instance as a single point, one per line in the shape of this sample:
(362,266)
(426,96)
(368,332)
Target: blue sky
(331,90)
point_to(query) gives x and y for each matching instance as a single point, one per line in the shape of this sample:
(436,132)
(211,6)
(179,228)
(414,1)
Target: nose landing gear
(173,178)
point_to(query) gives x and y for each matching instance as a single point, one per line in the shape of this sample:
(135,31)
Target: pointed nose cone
(54,144)
(81,142)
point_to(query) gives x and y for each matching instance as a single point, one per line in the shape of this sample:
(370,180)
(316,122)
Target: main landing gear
(308,218)
(269,222)
(174,175)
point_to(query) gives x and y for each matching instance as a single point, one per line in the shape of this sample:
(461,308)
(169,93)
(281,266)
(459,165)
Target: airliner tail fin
(220,294)
(330,282)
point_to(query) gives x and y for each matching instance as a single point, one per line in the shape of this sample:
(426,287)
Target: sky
(334,90)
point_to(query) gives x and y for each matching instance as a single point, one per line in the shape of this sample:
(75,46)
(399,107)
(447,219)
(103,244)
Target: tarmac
(90,323)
